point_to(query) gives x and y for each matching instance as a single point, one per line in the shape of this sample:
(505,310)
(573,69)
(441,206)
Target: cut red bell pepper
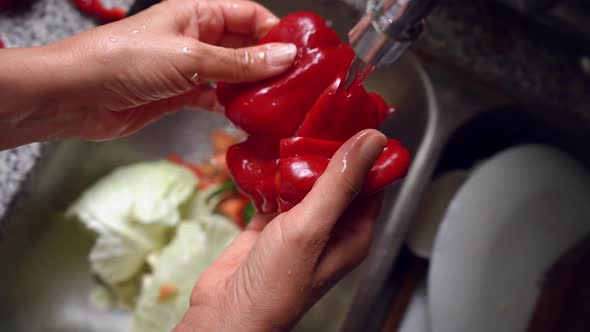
(338,114)
(276,107)
(297,146)
(253,165)
(298,120)
(303,160)
(298,175)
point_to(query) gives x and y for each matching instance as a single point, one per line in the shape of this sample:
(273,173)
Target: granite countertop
(469,38)
(501,49)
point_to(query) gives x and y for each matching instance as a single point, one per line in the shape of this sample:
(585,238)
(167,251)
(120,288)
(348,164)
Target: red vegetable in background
(96,9)
(5,4)
(299,119)
(213,173)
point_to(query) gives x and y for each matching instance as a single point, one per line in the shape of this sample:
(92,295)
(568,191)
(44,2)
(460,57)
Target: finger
(215,18)
(247,18)
(213,63)
(351,241)
(203,97)
(338,186)
(208,21)
(141,117)
(123,123)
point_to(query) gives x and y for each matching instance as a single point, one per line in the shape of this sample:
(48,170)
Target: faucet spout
(387,29)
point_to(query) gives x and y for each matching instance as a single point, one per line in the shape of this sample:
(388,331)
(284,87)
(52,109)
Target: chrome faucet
(385,32)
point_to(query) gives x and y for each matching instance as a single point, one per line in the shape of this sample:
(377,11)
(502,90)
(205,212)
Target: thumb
(214,63)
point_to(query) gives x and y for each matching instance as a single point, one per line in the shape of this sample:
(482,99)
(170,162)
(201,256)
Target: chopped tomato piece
(174,158)
(220,161)
(233,208)
(167,291)
(222,140)
(208,170)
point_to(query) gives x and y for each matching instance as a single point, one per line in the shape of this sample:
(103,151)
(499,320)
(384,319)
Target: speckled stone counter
(500,49)
(465,35)
(14,166)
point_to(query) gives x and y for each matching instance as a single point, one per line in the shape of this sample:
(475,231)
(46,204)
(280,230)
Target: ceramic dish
(510,221)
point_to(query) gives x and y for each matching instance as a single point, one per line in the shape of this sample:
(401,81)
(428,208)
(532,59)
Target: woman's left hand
(278,267)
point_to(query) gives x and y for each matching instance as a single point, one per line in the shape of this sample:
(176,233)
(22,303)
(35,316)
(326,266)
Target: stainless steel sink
(45,277)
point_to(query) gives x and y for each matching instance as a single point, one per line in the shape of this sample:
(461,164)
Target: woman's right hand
(115,79)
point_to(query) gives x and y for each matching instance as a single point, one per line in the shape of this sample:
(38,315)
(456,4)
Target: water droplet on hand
(113,39)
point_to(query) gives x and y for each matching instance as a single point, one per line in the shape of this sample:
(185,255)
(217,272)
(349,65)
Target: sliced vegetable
(223,140)
(131,210)
(201,204)
(167,291)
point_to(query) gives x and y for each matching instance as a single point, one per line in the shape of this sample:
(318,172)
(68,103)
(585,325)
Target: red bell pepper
(254,164)
(276,107)
(299,119)
(303,160)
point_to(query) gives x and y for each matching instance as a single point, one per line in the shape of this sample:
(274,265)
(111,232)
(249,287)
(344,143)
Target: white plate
(506,226)
(431,211)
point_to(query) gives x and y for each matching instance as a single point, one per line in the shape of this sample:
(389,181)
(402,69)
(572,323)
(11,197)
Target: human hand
(277,268)
(113,80)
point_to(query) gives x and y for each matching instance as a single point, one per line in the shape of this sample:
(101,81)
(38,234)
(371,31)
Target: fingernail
(372,146)
(281,55)
(272,21)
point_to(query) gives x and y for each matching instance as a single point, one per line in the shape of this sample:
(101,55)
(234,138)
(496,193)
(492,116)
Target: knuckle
(243,63)
(350,186)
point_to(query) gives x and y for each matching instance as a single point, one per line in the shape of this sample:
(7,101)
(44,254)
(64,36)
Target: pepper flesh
(277,106)
(298,120)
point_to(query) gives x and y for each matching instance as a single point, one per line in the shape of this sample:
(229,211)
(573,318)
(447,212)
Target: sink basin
(43,258)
